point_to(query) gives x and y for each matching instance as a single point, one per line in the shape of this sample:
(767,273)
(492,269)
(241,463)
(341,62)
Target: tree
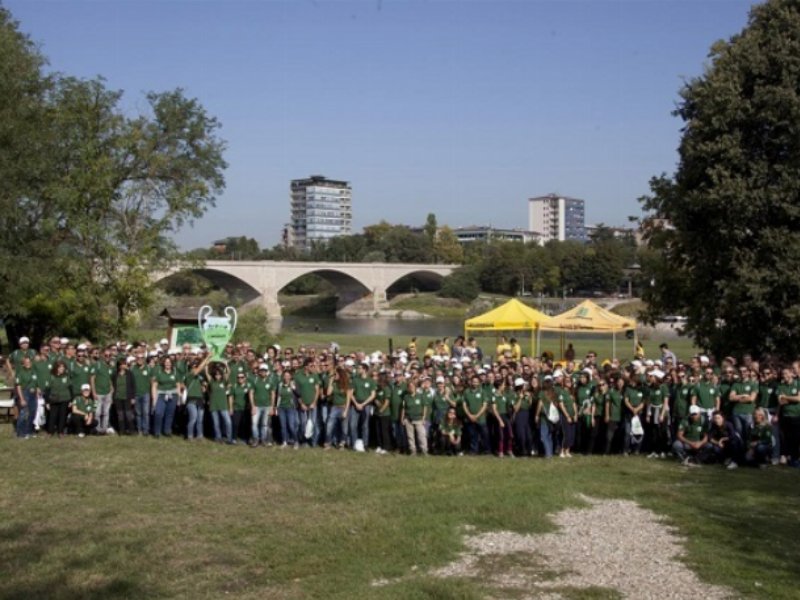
(90,196)
(461,284)
(727,224)
(239,248)
(446,247)
(431,228)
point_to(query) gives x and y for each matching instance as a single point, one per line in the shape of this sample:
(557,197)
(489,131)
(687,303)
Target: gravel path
(612,544)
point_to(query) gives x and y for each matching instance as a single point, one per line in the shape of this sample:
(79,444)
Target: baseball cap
(694,410)
(85,387)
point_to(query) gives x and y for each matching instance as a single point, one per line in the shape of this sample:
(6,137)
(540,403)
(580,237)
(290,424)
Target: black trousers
(125,421)
(382,427)
(58,418)
(791,437)
(236,422)
(611,431)
(78,423)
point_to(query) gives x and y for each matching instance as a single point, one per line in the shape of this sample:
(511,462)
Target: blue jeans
(333,434)
(304,416)
(196,411)
(478,437)
(262,432)
(546,436)
(143,414)
(165,413)
(321,426)
(26,414)
(742,424)
(225,417)
(288,417)
(358,421)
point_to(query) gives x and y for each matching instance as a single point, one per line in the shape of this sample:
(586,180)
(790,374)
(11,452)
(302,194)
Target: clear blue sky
(462,108)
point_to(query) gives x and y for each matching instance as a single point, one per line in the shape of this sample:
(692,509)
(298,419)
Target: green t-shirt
(58,389)
(218,395)
(165,381)
(599,405)
(83,404)
(141,378)
(103,372)
(523,401)
(657,395)
(707,394)
(26,379)
(396,400)
(453,429)
(79,375)
(363,388)
(683,399)
(474,400)
(500,401)
(585,398)
(761,434)
(790,409)
(120,386)
(285,396)
(440,402)
(263,390)
(383,408)
(634,396)
(234,368)
(306,385)
(17,355)
(745,388)
(767,398)
(194,385)
(339,396)
(565,398)
(240,393)
(692,430)
(43,368)
(614,399)
(414,405)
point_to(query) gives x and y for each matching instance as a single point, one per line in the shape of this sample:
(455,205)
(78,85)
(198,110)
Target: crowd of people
(449,399)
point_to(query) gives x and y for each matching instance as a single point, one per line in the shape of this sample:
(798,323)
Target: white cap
(403,360)
(365,363)
(440,379)
(152,353)
(81,346)
(263,367)
(163,342)
(558,373)
(694,410)
(287,363)
(480,371)
(458,366)
(704,359)
(548,378)
(588,371)
(649,363)
(659,363)
(349,362)
(24,340)
(658,373)
(64,341)
(466,359)
(85,387)
(519,382)
(276,346)
(636,363)
(376,360)
(130,359)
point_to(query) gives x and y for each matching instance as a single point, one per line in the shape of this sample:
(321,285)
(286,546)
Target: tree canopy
(90,196)
(725,228)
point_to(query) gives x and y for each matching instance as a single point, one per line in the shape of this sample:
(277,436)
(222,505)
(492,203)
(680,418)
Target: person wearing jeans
(306,383)
(100,376)
(547,417)
(219,402)
(142,372)
(341,395)
(124,394)
(263,402)
(27,394)
(196,387)
(287,413)
(164,388)
(743,398)
(361,407)
(475,406)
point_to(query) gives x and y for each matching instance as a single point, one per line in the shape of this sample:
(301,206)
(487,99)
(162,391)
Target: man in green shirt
(789,401)
(24,351)
(363,395)
(413,417)
(634,401)
(26,387)
(475,405)
(263,399)
(692,439)
(397,392)
(100,376)
(742,401)
(307,385)
(142,373)
(706,395)
(759,440)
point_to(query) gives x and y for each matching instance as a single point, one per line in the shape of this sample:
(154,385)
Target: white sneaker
(110,431)
(284,445)
(81,435)
(653,455)
(732,466)
(663,455)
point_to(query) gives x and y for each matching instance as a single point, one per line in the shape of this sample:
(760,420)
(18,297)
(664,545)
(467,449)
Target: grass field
(135,518)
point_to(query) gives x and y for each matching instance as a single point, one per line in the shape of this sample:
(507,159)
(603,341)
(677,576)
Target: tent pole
(538,341)
(613,345)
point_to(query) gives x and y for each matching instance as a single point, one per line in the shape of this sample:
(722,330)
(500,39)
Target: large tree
(90,196)
(726,226)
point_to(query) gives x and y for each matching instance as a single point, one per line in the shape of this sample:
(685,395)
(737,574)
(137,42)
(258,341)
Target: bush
(462,284)
(253,326)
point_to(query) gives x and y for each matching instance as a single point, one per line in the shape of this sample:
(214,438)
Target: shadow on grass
(39,563)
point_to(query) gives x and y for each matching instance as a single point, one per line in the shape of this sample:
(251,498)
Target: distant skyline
(461,108)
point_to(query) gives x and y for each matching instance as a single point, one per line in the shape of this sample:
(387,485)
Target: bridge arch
(244,291)
(425,279)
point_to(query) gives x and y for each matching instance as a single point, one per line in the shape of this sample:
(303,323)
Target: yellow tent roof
(511,316)
(588,316)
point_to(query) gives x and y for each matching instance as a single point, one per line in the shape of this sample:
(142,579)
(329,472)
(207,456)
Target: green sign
(216,331)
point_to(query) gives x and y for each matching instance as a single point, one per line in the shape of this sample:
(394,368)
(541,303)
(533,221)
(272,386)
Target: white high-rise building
(557,217)
(321,210)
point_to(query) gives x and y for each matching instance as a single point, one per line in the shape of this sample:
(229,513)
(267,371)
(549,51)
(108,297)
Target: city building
(321,210)
(618,233)
(466,235)
(557,217)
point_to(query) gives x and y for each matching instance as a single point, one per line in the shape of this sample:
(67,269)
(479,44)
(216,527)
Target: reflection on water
(373,326)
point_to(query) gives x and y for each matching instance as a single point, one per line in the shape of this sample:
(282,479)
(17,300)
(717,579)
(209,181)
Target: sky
(461,108)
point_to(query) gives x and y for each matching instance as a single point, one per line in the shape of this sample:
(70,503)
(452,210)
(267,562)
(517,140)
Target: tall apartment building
(321,210)
(557,218)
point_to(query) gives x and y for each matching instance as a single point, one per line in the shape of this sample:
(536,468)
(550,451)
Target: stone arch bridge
(360,286)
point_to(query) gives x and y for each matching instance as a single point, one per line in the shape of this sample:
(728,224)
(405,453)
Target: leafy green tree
(431,227)
(727,224)
(239,248)
(446,247)
(463,284)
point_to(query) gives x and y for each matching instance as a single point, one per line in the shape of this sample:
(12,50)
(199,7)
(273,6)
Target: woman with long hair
(58,396)
(164,390)
(547,415)
(340,392)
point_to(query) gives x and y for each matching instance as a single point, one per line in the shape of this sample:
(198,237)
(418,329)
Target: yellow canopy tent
(511,316)
(589,317)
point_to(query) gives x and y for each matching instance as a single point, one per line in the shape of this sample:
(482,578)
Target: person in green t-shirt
(657,414)
(759,440)
(768,400)
(499,407)
(124,397)
(398,388)
(692,442)
(286,402)
(164,386)
(83,407)
(634,402)
(264,390)
(340,394)
(26,387)
(219,402)
(57,395)
(364,387)
(100,378)
(612,390)
(450,434)
(523,401)
(476,405)
(196,385)
(547,416)
(383,415)
(742,402)
(706,395)
(242,394)
(789,401)
(307,386)
(413,415)
(564,389)
(141,373)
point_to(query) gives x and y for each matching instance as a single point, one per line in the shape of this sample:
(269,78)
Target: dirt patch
(611,548)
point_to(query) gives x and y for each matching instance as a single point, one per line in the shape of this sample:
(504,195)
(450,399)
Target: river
(373,326)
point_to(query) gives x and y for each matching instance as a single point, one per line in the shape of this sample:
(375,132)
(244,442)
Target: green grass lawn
(139,518)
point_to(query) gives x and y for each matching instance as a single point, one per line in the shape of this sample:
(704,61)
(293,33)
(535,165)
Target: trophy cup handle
(204,312)
(230,312)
